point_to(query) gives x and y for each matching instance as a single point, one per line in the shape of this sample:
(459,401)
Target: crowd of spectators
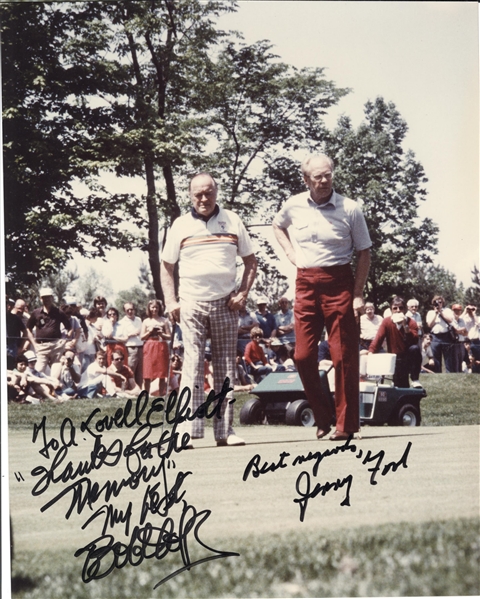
(68,352)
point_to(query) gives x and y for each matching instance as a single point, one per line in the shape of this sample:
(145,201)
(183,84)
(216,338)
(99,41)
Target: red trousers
(324,298)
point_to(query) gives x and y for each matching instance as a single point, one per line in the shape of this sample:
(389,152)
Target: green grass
(452,399)
(433,558)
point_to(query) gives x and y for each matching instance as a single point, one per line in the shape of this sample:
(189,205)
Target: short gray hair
(310,157)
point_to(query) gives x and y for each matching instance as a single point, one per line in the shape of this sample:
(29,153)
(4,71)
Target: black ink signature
(104,554)
(304,486)
(147,455)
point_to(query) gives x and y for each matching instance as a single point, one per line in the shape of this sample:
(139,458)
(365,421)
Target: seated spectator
(113,337)
(155,333)
(285,362)
(401,335)
(369,325)
(18,389)
(459,324)
(122,377)
(428,363)
(284,322)
(471,361)
(246,322)
(95,380)
(66,375)
(255,358)
(242,381)
(40,385)
(175,373)
(266,320)
(208,370)
(324,351)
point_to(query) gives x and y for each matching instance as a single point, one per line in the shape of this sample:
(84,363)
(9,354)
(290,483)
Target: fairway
(391,475)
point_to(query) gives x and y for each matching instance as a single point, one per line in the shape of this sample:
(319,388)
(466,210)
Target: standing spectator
(122,377)
(16,332)
(284,323)
(94,338)
(459,324)
(401,333)
(246,322)
(47,320)
(440,322)
(325,229)
(73,335)
(369,325)
(266,320)
(155,334)
(113,336)
(131,330)
(205,242)
(255,358)
(472,322)
(412,312)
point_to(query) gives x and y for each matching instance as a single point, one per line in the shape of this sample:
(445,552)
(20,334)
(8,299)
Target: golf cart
(280,398)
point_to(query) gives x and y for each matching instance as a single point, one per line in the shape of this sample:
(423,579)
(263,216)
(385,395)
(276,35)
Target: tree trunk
(153,247)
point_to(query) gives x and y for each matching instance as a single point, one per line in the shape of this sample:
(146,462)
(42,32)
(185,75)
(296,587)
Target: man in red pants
(319,230)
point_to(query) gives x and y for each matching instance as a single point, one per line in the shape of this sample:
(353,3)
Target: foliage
(260,108)
(371,165)
(140,89)
(43,133)
(472,294)
(402,559)
(137,296)
(89,286)
(423,283)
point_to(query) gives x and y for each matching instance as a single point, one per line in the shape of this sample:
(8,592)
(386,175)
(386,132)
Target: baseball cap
(31,357)
(263,299)
(70,300)
(44,291)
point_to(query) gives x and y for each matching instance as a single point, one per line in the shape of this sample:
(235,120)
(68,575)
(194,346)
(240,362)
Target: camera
(436,303)
(471,308)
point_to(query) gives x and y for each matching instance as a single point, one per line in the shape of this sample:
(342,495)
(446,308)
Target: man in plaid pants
(206,242)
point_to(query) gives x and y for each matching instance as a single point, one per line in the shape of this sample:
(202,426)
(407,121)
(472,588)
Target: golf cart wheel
(409,415)
(299,413)
(252,412)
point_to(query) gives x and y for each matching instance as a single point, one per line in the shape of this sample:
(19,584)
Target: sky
(423,57)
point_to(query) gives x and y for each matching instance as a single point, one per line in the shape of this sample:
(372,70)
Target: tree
(371,165)
(154,53)
(472,294)
(90,285)
(43,133)
(260,108)
(137,296)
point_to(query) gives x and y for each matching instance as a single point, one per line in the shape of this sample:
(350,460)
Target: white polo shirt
(206,253)
(326,234)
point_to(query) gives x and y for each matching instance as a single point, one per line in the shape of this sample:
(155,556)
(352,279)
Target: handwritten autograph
(304,487)
(148,454)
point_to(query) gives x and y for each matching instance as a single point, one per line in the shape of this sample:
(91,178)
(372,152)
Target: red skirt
(155,359)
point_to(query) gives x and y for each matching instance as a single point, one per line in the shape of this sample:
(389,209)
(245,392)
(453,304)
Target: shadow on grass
(22,584)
